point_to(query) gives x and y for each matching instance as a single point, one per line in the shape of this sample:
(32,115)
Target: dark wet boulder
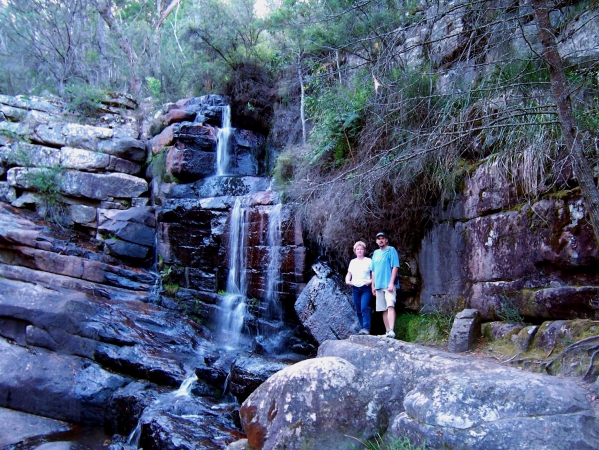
(129,234)
(325,307)
(187,164)
(187,422)
(249,372)
(215,370)
(126,406)
(196,136)
(58,386)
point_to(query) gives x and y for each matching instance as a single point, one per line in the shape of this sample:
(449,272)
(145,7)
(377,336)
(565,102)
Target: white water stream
(273,274)
(234,303)
(222,146)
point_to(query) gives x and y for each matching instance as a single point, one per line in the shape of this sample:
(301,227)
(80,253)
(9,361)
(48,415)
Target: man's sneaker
(390,334)
(363,331)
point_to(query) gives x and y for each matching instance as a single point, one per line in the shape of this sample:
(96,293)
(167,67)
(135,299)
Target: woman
(358,277)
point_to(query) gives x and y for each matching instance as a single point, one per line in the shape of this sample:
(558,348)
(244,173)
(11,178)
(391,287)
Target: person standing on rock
(385,264)
(358,277)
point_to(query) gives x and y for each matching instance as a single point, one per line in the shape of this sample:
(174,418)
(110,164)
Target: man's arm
(391,286)
(372,284)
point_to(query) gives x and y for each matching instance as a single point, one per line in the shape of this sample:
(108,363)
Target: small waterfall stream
(222,147)
(273,275)
(234,303)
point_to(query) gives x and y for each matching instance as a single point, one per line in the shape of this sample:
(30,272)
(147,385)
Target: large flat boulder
(18,427)
(58,386)
(429,395)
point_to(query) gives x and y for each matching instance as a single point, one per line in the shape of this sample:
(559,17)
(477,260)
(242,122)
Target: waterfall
(185,387)
(234,304)
(222,151)
(134,436)
(236,280)
(273,274)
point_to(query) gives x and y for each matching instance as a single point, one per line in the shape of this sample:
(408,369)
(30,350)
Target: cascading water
(222,146)
(273,275)
(234,304)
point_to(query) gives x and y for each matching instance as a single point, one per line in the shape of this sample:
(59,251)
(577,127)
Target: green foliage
(528,73)
(157,165)
(84,99)
(165,272)
(170,289)
(392,443)
(337,115)
(508,311)
(252,96)
(46,182)
(283,169)
(154,86)
(427,327)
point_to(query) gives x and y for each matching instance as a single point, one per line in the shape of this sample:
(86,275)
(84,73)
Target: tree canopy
(398,100)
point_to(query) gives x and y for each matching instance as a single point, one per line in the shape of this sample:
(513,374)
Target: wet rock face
(491,252)
(191,139)
(188,423)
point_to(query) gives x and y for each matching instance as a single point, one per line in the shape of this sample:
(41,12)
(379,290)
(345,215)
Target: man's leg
(391,317)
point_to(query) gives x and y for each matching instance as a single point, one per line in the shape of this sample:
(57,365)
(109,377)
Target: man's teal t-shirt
(383,262)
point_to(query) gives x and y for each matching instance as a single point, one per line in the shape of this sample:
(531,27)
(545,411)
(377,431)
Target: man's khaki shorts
(384,299)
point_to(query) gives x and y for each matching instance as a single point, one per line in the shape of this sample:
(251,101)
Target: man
(385,264)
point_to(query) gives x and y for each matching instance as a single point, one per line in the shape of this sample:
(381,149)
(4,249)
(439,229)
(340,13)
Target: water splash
(134,436)
(185,388)
(222,146)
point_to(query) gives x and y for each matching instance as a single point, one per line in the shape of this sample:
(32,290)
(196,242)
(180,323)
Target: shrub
(84,100)
(252,97)
(393,443)
(508,311)
(46,182)
(428,327)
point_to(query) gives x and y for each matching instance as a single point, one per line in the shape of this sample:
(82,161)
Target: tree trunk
(103,8)
(302,99)
(583,170)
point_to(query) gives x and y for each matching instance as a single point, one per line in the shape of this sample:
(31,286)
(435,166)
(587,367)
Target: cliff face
(490,251)
(510,239)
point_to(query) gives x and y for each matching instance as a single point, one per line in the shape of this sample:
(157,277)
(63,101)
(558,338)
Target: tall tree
(52,35)
(560,88)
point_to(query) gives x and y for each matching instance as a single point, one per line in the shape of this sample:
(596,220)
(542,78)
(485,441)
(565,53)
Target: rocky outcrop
(325,307)
(464,331)
(188,132)
(89,334)
(445,400)
(71,172)
(491,252)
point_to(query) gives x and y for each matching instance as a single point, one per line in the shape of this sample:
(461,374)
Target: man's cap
(382,233)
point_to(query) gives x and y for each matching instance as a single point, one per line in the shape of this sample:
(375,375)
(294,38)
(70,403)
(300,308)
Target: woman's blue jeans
(361,297)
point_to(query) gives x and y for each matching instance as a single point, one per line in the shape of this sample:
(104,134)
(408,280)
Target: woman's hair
(358,244)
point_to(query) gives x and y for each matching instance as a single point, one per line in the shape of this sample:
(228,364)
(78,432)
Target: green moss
(170,289)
